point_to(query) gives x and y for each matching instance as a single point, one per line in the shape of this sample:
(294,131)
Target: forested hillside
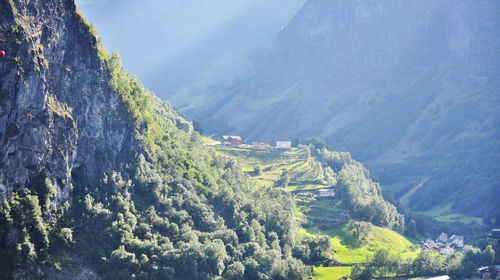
(408,88)
(101,179)
(354,219)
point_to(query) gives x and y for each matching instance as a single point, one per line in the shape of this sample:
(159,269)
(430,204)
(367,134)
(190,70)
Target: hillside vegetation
(300,171)
(167,208)
(101,179)
(313,167)
(356,222)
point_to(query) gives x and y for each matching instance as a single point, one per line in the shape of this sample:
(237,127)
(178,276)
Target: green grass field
(348,252)
(304,174)
(252,157)
(331,273)
(444,213)
(379,238)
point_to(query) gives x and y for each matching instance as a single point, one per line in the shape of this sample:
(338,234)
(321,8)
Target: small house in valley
(283,144)
(484,272)
(444,277)
(443,238)
(231,140)
(446,250)
(456,240)
(326,193)
(430,243)
(261,145)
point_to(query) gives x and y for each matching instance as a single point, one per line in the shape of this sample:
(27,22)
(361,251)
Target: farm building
(443,238)
(231,140)
(326,193)
(456,240)
(261,145)
(446,250)
(283,144)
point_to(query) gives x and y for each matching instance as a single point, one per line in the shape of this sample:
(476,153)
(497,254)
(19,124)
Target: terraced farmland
(327,216)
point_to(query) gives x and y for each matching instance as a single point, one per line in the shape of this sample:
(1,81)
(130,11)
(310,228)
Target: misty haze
(250,139)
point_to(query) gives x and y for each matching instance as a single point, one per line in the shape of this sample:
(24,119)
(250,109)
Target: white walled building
(443,238)
(283,144)
(326,193)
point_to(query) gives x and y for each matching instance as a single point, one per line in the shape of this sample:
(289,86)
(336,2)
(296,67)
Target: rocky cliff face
(57,110)
(409,88)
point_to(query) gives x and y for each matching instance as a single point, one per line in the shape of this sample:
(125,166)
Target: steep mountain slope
(57,110)
(409,88)
(98,174)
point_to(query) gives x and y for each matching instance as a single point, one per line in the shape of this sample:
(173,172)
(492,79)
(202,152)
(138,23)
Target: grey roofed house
(443,237)
(429,242)
(283,144)
(458,240)
(447,250)
(326,192)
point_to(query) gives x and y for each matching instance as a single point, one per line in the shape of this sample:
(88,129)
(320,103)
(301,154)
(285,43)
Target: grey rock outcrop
(58,112)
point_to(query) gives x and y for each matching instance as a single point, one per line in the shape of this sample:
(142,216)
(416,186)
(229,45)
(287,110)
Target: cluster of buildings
(235,141)
(445,245)
(485,273)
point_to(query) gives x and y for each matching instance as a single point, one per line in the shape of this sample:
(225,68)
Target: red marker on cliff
(2,53)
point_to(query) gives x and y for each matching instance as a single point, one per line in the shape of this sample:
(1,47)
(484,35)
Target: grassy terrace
(444,213)
(251,157)
(348,251)
(331,273)
(304,174)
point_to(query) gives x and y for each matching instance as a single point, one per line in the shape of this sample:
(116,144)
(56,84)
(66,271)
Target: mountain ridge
(408,88)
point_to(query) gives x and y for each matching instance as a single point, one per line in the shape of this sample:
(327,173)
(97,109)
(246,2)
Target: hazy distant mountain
(411,88)
(186,51)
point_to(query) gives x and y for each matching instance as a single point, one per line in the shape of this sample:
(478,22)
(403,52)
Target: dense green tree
(428,263)
(235,271)
(284,179)
(361,230)
(411,229)
(24,236)
(360,273)
(316,143)
(257,170)
(488,256)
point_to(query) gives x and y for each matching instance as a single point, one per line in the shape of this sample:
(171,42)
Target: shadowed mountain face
(193,53)
(411,88)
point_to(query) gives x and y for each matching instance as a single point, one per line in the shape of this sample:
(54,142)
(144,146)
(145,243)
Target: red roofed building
(230,140)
